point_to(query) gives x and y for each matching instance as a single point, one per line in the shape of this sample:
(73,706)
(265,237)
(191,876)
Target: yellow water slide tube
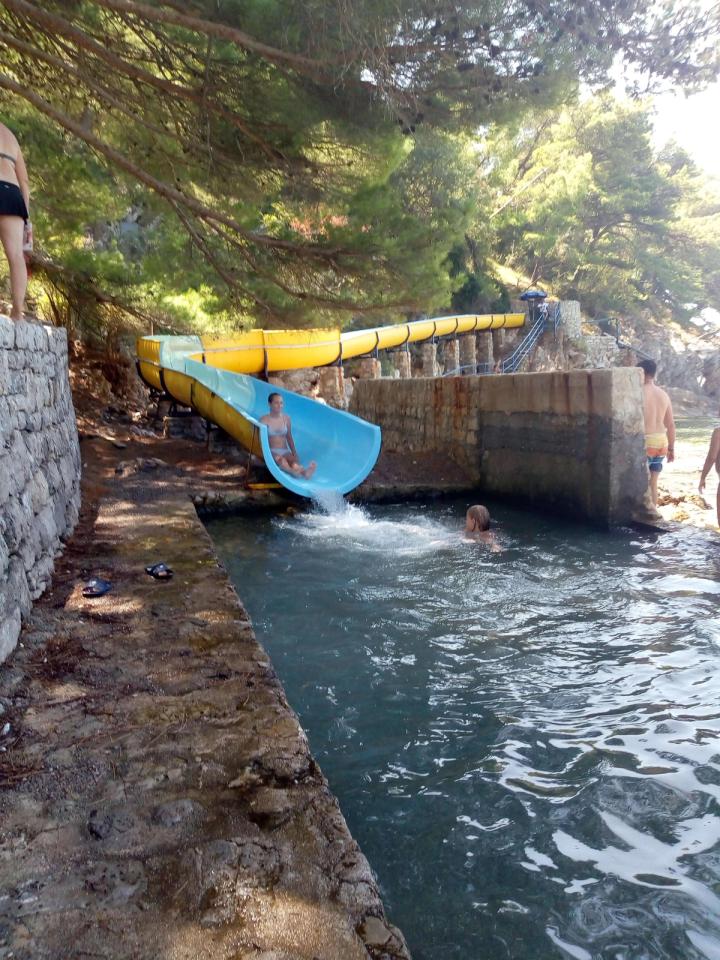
(267,351)
(213,376)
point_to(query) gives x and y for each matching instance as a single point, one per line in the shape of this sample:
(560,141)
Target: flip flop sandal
(97,587)
(160,571)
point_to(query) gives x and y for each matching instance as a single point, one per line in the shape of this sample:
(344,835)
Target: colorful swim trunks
(656,446)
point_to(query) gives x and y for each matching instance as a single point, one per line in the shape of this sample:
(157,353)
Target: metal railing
(515,360)
(546,314)
(557,316)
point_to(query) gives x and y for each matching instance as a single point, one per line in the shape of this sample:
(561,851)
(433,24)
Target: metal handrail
(510,364)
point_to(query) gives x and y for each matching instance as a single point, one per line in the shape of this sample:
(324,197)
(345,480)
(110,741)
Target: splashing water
(336,519)
(330,502)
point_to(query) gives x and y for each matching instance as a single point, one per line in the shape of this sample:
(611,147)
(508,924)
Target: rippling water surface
(524,744)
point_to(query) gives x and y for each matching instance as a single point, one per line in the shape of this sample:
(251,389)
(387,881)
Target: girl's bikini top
(278,433)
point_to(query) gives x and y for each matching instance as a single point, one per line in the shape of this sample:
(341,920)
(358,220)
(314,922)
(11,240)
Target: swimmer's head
(477,519)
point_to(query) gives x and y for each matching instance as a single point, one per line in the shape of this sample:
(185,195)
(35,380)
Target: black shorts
(12,203)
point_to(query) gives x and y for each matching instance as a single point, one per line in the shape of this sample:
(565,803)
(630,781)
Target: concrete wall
(39,466)
(571,441)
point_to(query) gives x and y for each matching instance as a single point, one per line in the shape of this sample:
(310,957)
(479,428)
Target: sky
(693,122)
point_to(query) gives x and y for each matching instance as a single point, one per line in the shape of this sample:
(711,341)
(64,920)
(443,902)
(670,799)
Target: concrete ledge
(160,797)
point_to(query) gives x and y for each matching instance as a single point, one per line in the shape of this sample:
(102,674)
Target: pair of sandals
(97,587)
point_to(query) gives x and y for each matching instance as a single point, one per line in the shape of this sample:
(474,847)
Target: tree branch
(220,31)
(164,189)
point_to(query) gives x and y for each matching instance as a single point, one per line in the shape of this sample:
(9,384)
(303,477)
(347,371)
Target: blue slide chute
(344,447)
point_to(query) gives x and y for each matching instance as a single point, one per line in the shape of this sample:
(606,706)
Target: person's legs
(653,486)
(11,237)
(655,465)
(292,465)
(288,463)
(718,506)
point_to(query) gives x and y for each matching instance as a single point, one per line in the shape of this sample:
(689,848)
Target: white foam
(335,518)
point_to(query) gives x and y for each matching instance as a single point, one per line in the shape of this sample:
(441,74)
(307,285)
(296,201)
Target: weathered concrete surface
(159,798)
(399,477)
(572,441)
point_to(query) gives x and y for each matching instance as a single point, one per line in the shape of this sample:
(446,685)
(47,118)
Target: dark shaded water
(525,745)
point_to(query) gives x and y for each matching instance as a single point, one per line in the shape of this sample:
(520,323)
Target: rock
(271,807)
(99,824)
(378,935)
(375,933)
(104,821)
(128,468)
(186,427)
(176,812)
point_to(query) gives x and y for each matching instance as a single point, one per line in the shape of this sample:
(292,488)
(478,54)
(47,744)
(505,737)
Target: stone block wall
(571,441)
(39,466)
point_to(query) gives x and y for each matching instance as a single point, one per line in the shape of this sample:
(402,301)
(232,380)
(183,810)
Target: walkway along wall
(39,466)
(570,441)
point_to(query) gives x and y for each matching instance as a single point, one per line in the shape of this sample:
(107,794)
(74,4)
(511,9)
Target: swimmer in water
(280,438)
(477,527)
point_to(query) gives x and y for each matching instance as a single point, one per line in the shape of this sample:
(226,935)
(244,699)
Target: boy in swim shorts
(659,425)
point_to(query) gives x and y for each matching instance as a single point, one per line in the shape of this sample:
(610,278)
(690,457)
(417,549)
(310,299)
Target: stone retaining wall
(39,466)
(571,441)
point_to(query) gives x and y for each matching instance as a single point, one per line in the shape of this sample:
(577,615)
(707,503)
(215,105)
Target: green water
(525,745)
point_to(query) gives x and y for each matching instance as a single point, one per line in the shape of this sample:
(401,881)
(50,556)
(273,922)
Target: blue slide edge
(344,446)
